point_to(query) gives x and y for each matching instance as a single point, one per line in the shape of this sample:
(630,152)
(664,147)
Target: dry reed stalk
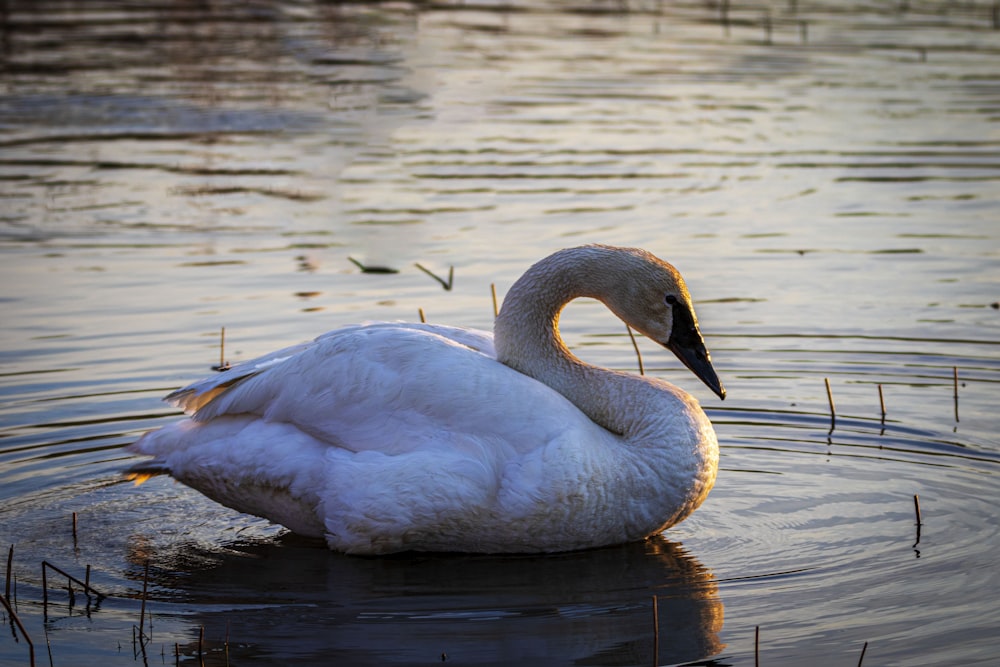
(493,292)
(756,646)
(916,507)
(954,370)
(87,588)
(74,529)
(423,319)
(635,346)
(142,608)
(862,658)
(13,617)
(10,560)
(656,631)
(881,402)
(833,409)
(223,364)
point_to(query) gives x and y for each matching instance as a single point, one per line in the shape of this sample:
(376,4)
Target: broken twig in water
(881,402)
(372,269)
(862,658)
(74,529)
(447,285)
(916,507)
(87,588)
(756,646)
(635,346)
(13,617)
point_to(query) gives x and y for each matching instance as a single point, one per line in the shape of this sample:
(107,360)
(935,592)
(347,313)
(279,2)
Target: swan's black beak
(699,362)
(686,342)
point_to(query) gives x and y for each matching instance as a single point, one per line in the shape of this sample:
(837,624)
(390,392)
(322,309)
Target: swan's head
(651,297)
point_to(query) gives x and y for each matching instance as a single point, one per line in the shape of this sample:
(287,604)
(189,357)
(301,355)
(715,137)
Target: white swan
(392,436)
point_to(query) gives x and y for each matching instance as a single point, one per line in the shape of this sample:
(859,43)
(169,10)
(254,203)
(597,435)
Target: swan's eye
(671,300)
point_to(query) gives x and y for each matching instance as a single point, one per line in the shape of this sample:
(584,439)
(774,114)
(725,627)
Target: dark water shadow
(290,600)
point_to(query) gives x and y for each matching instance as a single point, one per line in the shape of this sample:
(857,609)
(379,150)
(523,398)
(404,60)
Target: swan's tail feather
(145,470)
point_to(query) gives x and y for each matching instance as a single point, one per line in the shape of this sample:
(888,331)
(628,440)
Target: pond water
(825,174)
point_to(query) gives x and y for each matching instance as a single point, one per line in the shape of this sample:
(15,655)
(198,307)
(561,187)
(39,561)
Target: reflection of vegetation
(284,193)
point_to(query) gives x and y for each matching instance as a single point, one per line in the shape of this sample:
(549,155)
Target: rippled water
(824,174)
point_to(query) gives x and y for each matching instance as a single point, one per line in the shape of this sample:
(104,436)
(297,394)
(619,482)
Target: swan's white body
(391,437)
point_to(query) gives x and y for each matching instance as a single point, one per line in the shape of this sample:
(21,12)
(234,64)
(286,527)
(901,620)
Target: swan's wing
(393,388)
(198,394)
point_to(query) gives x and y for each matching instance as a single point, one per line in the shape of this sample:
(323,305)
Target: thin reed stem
(223,364)
(635,346)
(833,409)
(954,370)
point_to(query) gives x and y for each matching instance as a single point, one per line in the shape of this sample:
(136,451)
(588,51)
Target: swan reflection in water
(290,601)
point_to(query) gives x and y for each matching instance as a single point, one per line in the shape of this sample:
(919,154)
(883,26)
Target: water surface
(824,175)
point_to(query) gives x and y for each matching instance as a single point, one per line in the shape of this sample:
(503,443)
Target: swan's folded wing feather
(397,388)
(196,395)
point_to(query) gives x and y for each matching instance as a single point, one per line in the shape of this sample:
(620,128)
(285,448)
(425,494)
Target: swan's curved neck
(526,333)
